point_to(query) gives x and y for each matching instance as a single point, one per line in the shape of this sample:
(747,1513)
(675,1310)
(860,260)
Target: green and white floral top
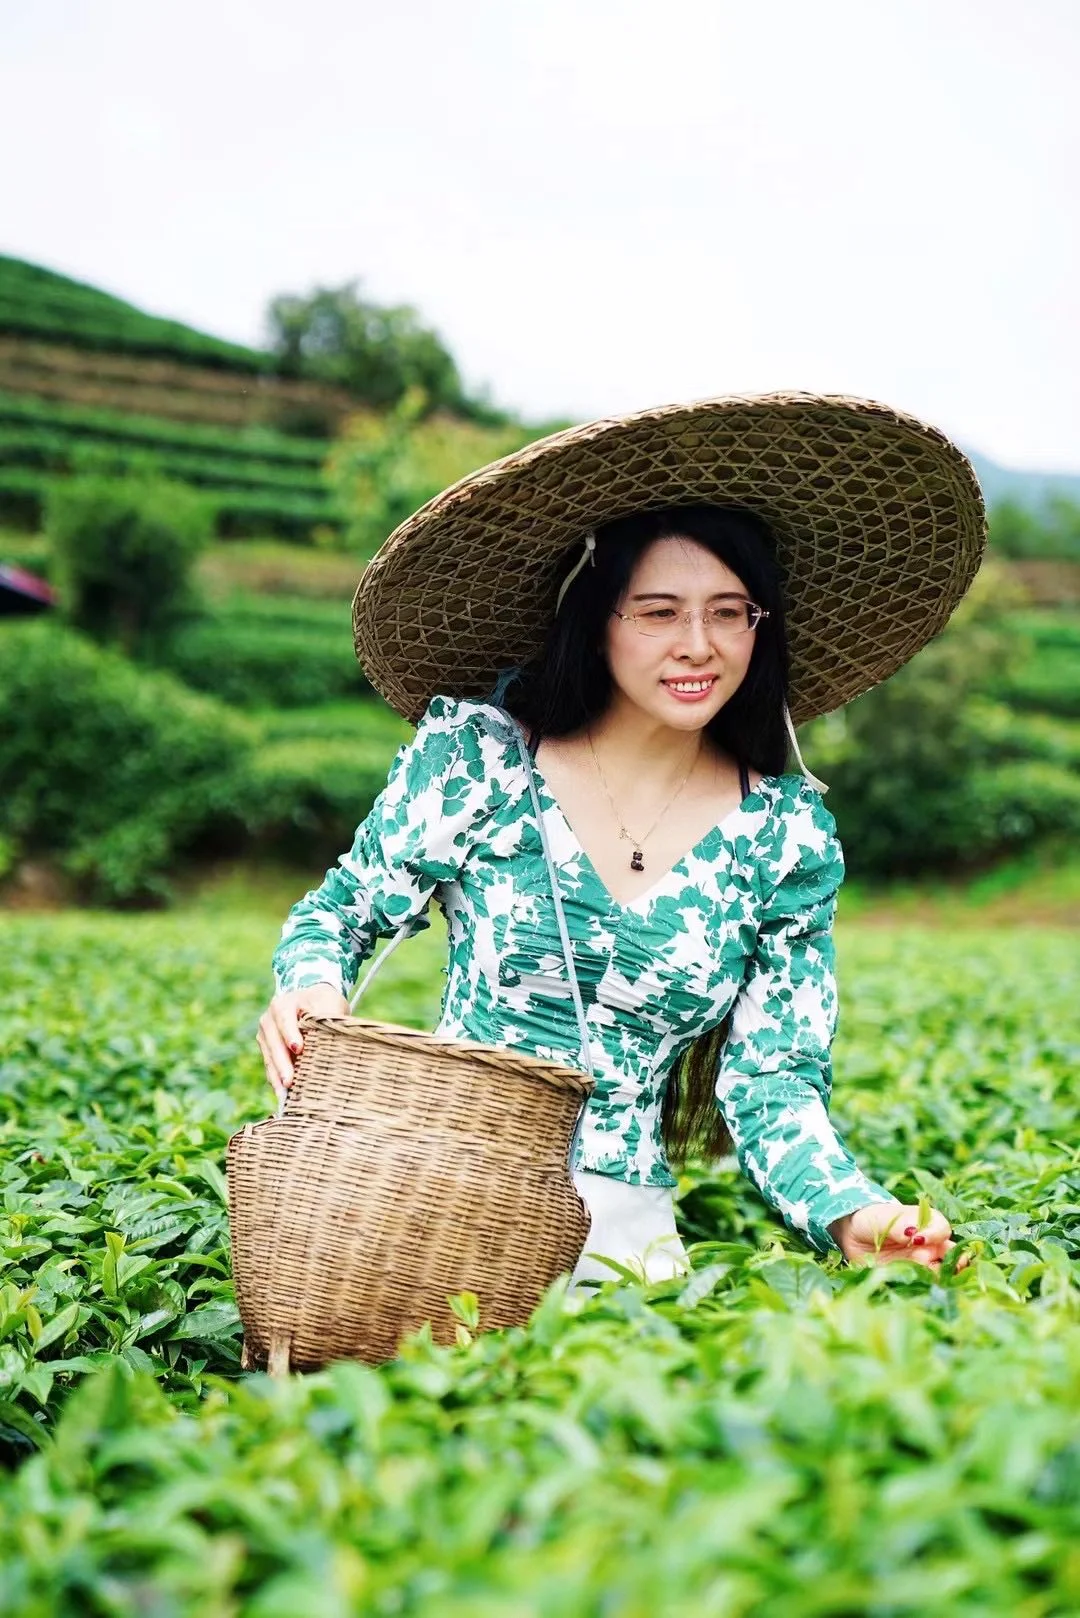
(741,924)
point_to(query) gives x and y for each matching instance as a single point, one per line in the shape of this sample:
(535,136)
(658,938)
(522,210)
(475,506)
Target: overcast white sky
(601,204)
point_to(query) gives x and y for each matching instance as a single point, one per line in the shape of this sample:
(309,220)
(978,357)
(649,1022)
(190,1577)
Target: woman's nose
(693,636)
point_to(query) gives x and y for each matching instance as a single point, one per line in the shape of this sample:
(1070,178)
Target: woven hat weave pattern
(879,521)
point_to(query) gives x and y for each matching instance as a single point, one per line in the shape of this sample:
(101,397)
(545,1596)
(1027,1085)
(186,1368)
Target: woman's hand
(279,1036)
(883,1231)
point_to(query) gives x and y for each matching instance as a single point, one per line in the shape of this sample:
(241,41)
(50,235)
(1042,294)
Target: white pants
(633,1224)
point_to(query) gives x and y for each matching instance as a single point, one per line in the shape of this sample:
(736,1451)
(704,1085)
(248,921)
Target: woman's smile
(686,689)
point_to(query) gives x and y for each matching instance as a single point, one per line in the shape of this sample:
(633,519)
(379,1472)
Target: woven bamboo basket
(403,1169)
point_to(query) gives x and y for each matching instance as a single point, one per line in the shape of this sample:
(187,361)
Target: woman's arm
(417,834)
(775,1076)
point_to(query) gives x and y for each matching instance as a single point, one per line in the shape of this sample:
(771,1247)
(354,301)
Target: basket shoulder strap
(409,926)
(406,929)
(579,1009)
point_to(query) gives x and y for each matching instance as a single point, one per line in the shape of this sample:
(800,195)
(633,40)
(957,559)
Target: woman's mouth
(690,690)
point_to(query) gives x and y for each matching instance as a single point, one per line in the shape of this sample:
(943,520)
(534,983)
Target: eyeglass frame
(686,618)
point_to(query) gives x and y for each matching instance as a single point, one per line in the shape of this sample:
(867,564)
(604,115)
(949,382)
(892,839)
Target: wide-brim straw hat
(879,521)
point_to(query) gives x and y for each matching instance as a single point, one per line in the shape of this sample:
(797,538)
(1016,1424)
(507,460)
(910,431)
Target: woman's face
(682,575)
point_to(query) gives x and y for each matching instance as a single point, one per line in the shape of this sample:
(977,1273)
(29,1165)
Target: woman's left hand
(883,1231)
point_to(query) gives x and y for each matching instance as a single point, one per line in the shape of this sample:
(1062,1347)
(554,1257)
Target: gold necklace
(637,862)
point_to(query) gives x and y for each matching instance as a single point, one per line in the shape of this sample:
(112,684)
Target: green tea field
(777,1435)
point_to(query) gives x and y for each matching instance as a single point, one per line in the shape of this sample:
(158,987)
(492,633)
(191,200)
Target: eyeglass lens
(731,618)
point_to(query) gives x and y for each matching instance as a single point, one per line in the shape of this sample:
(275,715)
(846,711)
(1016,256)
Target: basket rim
(560,1075)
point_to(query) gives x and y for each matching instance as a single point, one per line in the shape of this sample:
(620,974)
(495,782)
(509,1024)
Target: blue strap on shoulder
(506,678)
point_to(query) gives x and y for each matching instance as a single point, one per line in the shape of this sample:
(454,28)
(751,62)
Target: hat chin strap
(587,555)
(809,776)
(509,675)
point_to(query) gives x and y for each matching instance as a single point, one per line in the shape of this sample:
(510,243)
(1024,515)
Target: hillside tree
(378,353)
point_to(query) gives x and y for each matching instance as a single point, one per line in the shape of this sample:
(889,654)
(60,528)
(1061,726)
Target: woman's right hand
(279,1036)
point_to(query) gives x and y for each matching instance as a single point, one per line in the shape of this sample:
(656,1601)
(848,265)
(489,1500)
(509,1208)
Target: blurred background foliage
(205,512)
(950,763)
(384,467)
(378,354)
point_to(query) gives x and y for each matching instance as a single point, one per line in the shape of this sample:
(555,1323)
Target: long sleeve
(419,830)
(775,1074)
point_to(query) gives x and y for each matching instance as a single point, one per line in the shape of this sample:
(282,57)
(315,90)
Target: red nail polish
(909,1230)
(918,1241)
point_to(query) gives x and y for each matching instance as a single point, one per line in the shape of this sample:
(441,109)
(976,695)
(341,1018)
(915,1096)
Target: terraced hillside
(88,381)
(172,388)
(38,302)
(260,481)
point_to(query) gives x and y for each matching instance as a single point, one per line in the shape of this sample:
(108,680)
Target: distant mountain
(1029,489)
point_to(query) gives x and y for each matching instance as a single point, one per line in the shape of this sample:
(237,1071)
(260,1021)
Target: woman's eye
(659,615)
(727,615)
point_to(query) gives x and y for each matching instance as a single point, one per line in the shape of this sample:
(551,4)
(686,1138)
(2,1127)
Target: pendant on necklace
(636,861)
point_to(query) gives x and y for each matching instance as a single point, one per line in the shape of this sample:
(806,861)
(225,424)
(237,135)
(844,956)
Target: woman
(698,877)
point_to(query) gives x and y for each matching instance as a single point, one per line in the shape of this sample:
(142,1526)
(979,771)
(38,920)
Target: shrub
(1052,531)
(109,768)
(25,551)
(270,653)
(1010,804)
(1046,678)
(305,798)
(366,722)
(386,466)
(1007,733)
(235,513)
(68,424)
(917,769)
(124,551)
(22,498)
(779,1435)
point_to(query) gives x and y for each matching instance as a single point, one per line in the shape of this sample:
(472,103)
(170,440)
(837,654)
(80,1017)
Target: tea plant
(776,1435)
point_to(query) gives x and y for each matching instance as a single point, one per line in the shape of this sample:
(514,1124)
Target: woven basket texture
(404,1169)
(879,520)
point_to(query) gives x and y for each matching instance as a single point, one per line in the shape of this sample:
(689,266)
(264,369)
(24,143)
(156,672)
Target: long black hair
(568,685)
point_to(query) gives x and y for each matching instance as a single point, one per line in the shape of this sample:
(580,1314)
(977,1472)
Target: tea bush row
(238,513)
(54,452)
(778,1436)
(19,412)
(284,655)
(1047,678)
(37,302)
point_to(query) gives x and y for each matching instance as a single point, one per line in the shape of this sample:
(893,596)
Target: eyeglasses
(733,616)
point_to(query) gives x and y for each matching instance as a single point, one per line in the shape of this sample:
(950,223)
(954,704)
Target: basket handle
(406,930)
(579,1009)
(556,899)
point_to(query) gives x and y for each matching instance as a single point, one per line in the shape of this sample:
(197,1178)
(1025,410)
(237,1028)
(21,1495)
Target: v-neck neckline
(630,906)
